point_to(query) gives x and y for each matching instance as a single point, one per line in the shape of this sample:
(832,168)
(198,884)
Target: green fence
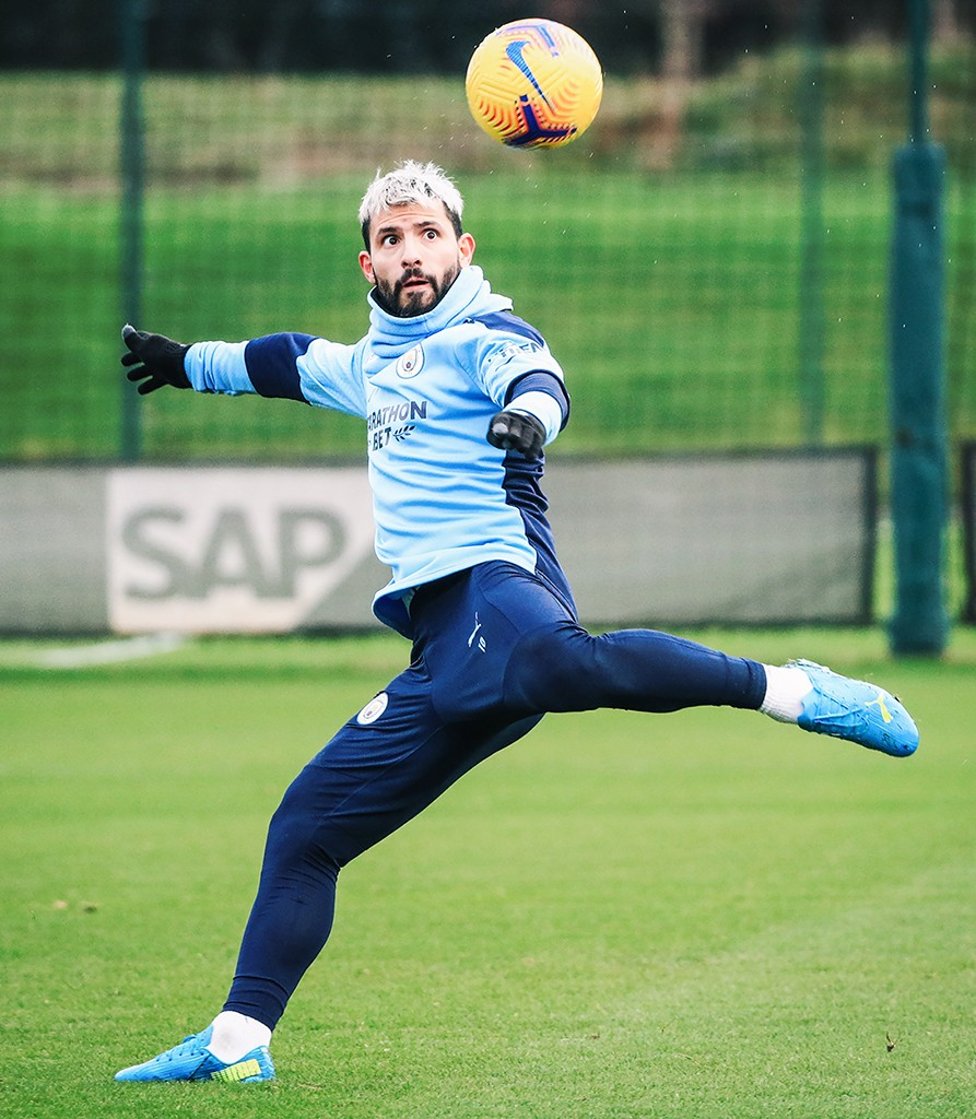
(710,262)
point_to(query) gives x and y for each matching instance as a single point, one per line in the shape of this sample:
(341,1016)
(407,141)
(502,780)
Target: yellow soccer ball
(534,83)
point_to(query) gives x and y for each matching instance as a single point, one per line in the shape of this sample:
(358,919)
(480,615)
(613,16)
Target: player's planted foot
(192,1060)
(857,711)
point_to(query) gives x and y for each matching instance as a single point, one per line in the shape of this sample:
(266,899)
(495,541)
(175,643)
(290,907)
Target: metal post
(811,306)
(132,170)
(919,454)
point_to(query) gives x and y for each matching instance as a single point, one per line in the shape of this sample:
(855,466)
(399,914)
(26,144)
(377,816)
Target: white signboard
(750,538)
(235,549)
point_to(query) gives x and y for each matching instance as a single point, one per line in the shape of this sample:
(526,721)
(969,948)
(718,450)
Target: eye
(389,240)
(430,234)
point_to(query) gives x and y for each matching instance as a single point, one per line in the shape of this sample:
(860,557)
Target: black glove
(517,431)
(156,360)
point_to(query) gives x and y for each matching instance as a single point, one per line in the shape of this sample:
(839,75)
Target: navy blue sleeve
(541,381)
(509,322)
(272,364)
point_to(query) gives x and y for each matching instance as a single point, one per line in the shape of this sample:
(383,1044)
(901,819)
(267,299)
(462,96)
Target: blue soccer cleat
(857,711)
(192,1060)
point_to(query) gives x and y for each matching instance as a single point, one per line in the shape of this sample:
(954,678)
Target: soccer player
(459,397)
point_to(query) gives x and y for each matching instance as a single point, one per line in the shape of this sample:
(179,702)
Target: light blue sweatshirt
(444,499)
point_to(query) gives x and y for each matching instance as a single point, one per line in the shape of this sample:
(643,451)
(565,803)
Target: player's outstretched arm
(154,360)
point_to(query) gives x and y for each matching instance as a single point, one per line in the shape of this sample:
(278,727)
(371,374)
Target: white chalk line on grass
(110,652)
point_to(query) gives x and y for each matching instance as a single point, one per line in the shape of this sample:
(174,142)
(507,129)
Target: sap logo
(232,551)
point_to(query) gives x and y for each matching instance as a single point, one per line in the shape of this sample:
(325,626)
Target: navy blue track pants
(495,648)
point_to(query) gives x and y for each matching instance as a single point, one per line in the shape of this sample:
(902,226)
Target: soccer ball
(534,83)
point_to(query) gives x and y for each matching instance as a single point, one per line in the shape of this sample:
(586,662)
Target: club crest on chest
(410,364)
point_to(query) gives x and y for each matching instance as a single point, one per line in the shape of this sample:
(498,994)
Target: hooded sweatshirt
(427,386)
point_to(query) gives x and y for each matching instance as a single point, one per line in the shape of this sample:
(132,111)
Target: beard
(405,303)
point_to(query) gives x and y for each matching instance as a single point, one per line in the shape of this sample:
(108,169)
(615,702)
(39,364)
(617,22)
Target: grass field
(700,915)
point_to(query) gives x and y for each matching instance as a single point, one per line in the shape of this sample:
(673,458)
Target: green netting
(698,261)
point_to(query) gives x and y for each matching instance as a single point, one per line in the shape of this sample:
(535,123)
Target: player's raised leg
(558,666)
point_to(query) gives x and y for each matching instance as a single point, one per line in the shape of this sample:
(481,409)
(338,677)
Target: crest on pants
(372,711)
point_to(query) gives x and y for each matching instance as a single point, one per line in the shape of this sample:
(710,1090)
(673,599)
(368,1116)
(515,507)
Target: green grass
(696,915)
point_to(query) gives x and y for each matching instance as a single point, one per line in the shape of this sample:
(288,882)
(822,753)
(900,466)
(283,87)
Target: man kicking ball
(459,397)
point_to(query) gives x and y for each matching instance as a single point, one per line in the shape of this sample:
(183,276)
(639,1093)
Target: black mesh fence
(709,262)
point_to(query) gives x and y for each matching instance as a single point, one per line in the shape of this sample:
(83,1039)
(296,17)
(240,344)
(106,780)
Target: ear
(366,264)
(466,247)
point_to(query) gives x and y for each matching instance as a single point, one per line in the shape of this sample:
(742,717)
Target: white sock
(235,1035)
(786,687)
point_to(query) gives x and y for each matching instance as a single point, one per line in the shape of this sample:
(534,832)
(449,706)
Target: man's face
(414,257)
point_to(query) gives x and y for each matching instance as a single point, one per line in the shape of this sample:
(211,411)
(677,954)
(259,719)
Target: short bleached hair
(410,181)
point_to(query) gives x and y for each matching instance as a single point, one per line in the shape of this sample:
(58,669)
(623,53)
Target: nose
(411,254)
